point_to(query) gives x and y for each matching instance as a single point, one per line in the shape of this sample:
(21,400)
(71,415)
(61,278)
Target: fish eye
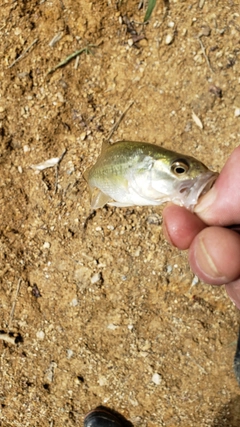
(180,167)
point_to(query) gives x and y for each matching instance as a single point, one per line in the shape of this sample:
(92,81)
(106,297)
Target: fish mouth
(191,190)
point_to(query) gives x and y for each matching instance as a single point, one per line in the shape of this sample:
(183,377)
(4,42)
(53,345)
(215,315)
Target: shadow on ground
(229,415)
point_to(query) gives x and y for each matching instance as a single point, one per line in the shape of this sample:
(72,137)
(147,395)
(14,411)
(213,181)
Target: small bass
(130,173)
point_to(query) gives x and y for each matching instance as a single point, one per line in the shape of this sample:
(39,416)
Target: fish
(132,173)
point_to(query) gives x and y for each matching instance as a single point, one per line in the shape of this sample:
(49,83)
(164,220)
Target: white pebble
(154,219)
(40,335)
(46,245)
(156,378)
(102,381)
(69,353)
(95,278)
(195,281)
(237,112)
(26,148)
(110,227)
(197,120)
(169,39)
(83,136)
(112,327)
(20,169)
(74,302)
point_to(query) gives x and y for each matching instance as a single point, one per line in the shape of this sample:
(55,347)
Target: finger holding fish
(180,226)
(219,207)
(214,251)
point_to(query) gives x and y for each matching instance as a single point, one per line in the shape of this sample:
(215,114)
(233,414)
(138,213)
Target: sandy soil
(106,312)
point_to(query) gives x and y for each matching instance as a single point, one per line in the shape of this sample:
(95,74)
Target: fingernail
(206,202)
(205,262)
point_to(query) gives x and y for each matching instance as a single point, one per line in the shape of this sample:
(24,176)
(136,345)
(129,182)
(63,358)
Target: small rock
(154,219)
(197,120)
(40,335)
(156,378)
(169,39)
(138,251)
(69,353)
(46,245)
(110,227)
(102,381)
(143,43)
(26,148)
(49,374)
(215,90)
(112,327)
(195,281)
(206,31)
(83,136)
(82,276)
(95,278)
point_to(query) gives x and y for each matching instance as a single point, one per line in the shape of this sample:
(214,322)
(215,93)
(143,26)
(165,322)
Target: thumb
(221,205)
(233,291)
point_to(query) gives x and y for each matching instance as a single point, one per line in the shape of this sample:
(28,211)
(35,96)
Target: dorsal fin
(86,173)
(105,145)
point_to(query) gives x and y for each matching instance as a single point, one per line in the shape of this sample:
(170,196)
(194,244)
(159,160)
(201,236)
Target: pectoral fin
(98,198)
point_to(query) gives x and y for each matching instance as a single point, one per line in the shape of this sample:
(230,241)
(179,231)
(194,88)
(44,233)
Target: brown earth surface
(106,311)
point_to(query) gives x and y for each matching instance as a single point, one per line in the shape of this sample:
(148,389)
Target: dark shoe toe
(101,418)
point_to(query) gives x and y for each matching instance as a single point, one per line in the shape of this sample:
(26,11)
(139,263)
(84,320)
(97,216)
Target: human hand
(214,250)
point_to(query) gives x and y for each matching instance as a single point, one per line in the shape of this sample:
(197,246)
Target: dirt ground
(106,312)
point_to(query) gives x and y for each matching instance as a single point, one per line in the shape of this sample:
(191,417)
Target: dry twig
(119,121)
(57,169)
(23,54)
(7,338)
(14,304)
(205,55)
